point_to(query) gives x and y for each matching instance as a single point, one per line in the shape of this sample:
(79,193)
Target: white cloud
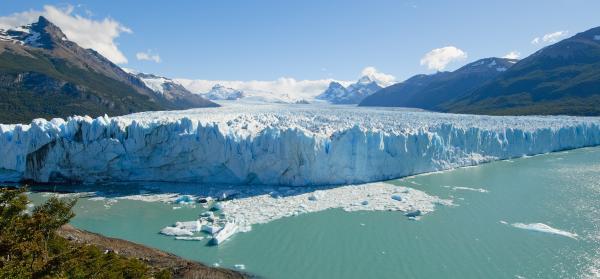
(379,77)
(99,35)
(550,38)
(512,55)
(148,56)
(439,58)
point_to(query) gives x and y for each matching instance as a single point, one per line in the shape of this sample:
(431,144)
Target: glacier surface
(276,144)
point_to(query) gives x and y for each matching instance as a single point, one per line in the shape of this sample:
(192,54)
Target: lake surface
(473,239)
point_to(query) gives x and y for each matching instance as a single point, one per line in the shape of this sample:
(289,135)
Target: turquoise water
(464,241)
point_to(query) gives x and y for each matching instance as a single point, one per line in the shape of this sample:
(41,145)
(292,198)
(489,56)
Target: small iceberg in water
(190,238)
(541,227)
(175,231)
(227,231)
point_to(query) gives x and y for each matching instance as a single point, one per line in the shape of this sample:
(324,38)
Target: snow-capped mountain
(44,75)
(431,92)
(168,88)
(353,94)
(219,92)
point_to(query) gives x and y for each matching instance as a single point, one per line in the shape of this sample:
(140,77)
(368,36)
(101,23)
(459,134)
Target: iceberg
(176,231)
(276,144)
(190,238)
(261,209)
(541,227)
(228,230)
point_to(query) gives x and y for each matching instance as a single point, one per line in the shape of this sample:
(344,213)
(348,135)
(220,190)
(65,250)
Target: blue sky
(265,40)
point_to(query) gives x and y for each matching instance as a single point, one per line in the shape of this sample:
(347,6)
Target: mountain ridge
(44,75)
(431,91)
(354,93)
(562,78)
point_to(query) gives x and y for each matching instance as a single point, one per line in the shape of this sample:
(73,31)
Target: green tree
(31,248)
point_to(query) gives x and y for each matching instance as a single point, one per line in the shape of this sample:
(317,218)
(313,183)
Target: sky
(310,39)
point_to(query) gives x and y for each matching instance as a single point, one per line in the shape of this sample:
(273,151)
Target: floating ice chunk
(210,228)
(151,197)
(190,238)
(175,231)
(204,200)
(184,199)
(208,214)
(480,190)
(194,226)
(541,227)
(413,213)
(240,266)
(217,206)
(228,230)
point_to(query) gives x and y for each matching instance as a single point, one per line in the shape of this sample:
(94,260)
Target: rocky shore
(155,258)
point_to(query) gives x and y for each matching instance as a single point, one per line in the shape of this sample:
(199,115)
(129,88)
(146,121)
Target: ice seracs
(276,144)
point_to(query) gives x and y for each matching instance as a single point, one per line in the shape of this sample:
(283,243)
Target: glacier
(270,144)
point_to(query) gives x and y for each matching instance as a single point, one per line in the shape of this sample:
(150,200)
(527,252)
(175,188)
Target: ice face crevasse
(276,145)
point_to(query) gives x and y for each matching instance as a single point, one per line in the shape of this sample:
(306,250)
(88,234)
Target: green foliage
(30,247)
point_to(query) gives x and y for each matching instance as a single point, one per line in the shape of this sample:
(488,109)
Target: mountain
(563,78)
(220,92)
(336,93)
(432,91)
(172,91)
(44,75)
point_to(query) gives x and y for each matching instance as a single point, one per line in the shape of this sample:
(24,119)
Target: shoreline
(155,258)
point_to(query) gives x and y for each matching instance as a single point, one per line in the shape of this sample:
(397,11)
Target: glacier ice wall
(276,144)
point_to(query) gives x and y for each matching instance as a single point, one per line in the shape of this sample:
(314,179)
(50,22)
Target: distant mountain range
(336,93)
(563,78)
(432,91)
(43,74)
(172,91)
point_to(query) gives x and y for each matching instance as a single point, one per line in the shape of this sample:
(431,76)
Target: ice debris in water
(480,190)
(182,228)
(541,227)
(184,199)
(190,238)
(264,208)
(240,266)
(176,231)
(277,144)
